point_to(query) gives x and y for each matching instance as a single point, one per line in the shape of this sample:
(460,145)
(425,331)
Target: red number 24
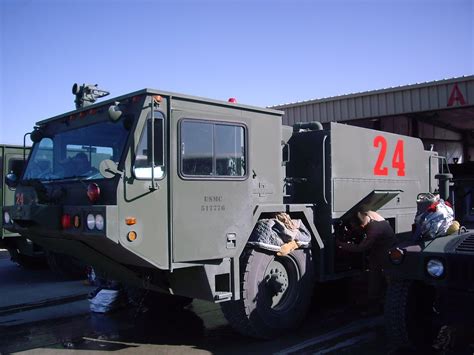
(398,159)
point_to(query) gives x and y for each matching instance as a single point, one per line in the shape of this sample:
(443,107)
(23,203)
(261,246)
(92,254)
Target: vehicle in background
(432,283)
(21,249)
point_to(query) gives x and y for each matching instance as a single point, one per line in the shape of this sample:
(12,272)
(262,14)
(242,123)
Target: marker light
(435,268)
(90,221)
(232,100)
(130,221)
(6,218)
(77,221)
(99,222)
(66,221)
(93,192)
(396,255)
(131,236)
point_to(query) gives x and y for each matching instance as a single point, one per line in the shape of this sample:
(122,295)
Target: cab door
(143,195)
(211,210)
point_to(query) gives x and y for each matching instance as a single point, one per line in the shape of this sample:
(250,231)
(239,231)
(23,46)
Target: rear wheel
(275,293)
(410,318)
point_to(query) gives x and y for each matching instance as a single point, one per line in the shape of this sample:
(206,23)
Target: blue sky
(262,52)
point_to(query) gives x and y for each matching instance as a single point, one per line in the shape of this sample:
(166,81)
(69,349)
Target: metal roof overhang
(448,104)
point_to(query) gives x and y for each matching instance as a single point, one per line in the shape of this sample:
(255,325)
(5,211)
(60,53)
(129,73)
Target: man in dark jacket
(379,238)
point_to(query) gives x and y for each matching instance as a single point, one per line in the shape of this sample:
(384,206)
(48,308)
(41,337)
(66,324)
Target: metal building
(440,112)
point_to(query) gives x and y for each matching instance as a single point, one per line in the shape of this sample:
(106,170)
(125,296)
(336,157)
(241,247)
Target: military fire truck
(162,191)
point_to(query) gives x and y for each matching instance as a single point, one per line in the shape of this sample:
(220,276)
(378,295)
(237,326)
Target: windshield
(76,153)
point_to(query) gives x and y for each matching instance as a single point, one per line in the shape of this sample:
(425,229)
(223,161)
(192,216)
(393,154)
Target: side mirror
(36,135)
(11,180)
(108,169)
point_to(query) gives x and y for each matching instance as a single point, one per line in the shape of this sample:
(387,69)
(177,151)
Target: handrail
(324,169)
(438,157)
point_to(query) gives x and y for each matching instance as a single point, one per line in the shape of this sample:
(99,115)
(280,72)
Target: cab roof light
(232,100)
(136,98)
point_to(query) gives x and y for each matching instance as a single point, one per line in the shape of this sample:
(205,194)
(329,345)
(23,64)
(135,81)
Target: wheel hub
(277,282)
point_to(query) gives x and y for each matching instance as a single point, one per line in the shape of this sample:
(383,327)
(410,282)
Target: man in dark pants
(380,237)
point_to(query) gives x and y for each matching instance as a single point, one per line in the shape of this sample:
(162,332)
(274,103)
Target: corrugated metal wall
(388,102)
(404,110)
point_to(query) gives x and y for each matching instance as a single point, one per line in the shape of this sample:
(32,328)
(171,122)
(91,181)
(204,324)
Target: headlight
(99,222)
(6,218)
(435,268)
(90,221)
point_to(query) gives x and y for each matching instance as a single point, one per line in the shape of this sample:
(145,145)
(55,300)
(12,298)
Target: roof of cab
(173,96)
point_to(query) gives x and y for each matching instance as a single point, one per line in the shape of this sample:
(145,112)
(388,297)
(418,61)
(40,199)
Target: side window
(143,159)
(41,160)
(197,148)
(212,149)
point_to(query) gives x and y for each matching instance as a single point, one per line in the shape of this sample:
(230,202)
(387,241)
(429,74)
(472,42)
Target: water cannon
(87,94)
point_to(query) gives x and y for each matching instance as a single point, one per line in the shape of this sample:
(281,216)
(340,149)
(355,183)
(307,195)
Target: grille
(461,270)
(467,245)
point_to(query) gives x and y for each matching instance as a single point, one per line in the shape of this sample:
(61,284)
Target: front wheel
(275,293)
(410,316)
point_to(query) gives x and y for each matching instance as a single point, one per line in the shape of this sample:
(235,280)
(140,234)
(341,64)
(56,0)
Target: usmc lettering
(213,204)
(212,198)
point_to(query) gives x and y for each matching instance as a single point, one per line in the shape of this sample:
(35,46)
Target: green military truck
(22,250)
(432,286)
(164,191)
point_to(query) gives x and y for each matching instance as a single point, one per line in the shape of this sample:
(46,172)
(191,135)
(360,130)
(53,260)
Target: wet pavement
(65,325)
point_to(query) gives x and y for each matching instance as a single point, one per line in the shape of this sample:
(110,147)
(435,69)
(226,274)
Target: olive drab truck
(162,191)
(22,250)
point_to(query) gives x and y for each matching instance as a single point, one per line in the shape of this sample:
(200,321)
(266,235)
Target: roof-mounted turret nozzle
(312,126)
(87,94)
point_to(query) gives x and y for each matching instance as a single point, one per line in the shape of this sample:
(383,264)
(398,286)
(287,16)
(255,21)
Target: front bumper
(458,264)
(45,221)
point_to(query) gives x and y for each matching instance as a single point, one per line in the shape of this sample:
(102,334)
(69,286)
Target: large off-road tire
(410,318)
(275,293)
(66,266)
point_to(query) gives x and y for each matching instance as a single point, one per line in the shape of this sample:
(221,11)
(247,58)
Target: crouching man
(379,238)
